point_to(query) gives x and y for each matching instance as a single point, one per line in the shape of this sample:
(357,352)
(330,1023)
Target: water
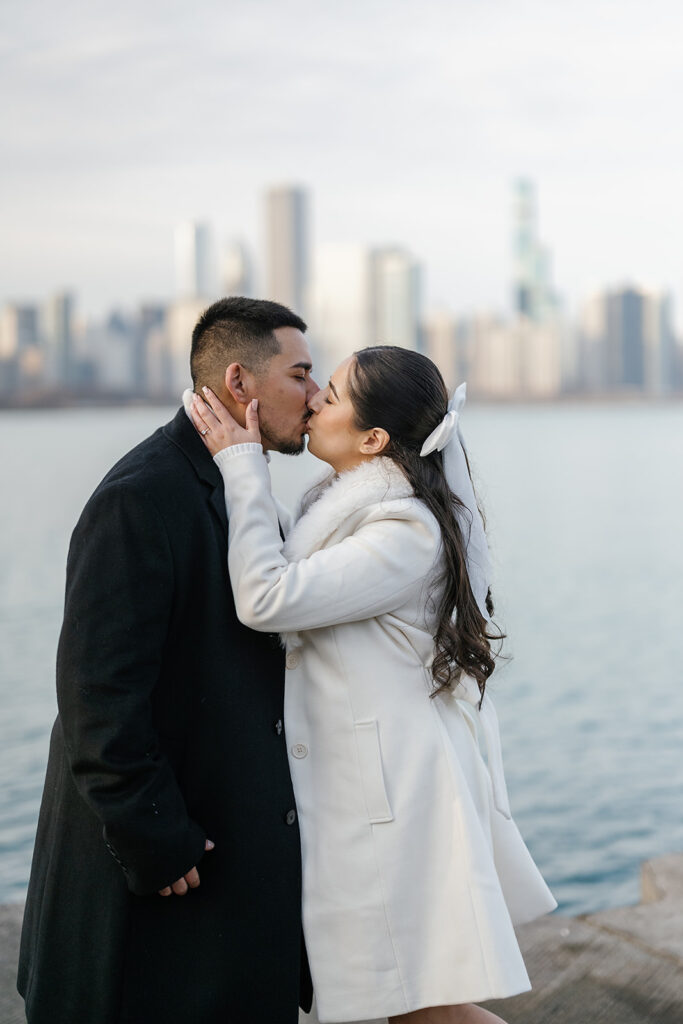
(584,510)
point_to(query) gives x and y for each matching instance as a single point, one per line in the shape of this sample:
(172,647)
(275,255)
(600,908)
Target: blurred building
(120,350)
(58,330)
(341,304)
(236,270)
(540,348)
(172,374)
(591,329)
(21,355)
(452,341)
(361,296)
(499,358)
(494,363)
(149,334)
(625,339)
(441,345)
(664,376)
(627,342)
(287,254)
(111,346)
(533,293)
(395,297)
(19,329)
(194,261)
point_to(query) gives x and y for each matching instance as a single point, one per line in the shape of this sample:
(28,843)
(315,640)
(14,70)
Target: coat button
(299,750)
(278,727)
(290,817)
(293,659)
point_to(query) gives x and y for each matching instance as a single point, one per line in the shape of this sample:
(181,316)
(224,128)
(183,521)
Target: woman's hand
(217,428)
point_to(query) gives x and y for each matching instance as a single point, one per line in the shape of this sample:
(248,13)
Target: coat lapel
(182,434)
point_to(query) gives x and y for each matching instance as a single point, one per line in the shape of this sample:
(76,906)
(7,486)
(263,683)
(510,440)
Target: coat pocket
(372,773)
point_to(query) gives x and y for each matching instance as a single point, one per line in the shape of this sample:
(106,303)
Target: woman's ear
(238,383)
(375,441)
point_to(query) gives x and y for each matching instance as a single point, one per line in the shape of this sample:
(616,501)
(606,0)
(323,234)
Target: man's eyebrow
(301,366)
(334,391)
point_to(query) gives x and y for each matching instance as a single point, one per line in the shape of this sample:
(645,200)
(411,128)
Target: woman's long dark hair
(403,393)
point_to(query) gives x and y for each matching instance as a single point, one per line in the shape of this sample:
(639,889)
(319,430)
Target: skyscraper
(18,329)
(533,295)
(625,347)
(21,358)
(628,341)
(396,298)
(441,344)
(236,274)
(194,263)
(524,248)
(341,303)
(287,256)
(59,338)
(362,297)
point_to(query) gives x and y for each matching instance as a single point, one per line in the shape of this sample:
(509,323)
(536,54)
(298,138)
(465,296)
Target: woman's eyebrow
(334,390)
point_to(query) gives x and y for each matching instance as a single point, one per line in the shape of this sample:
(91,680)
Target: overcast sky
(408,121)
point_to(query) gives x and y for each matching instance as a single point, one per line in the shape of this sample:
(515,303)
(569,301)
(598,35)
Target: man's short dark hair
(237,330)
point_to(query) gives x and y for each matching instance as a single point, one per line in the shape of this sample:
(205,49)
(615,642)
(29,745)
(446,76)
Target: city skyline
(408,130)
(208,262)
(623,343)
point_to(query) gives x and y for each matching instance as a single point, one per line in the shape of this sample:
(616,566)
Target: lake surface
(584,506)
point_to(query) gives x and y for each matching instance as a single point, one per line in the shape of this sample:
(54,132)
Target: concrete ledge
(621,966)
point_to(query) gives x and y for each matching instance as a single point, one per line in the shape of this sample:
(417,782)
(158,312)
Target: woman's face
(332,435)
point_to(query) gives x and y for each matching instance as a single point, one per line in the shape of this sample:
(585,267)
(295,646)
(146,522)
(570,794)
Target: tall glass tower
(287,246)
(532,295)
(193,261)
(525,247)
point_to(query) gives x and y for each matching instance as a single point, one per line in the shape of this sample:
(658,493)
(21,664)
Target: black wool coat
(169,731)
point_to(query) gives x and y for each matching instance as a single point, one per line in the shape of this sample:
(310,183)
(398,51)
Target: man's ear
(239,383)
(375,441)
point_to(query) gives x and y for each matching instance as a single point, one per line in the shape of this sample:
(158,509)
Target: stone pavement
(621,966)
(11,1005)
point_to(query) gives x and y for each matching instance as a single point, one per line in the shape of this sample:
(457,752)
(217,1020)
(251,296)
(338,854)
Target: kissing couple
(265,776)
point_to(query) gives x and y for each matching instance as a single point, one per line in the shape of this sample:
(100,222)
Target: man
(169,740)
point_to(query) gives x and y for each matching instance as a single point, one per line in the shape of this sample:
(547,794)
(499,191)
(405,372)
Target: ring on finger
(205,431)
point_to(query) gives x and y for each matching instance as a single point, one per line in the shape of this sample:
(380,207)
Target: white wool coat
(413,871)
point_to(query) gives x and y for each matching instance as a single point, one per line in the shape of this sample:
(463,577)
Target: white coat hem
(362,1010)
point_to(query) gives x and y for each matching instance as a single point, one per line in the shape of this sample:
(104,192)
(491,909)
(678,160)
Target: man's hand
(190,879)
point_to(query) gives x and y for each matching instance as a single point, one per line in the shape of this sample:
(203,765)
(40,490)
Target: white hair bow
(441,435)
(447,438)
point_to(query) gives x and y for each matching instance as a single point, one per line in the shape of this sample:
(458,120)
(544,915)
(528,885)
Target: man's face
(283,391)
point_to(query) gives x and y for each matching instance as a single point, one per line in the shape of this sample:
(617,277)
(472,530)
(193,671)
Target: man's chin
(286,446)
(292,447)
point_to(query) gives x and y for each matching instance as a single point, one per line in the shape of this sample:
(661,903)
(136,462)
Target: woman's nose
(314,400)
(311,390)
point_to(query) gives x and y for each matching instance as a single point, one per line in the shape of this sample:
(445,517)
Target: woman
(413,870)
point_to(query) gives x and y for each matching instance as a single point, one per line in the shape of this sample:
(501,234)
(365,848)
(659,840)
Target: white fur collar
(337,497)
